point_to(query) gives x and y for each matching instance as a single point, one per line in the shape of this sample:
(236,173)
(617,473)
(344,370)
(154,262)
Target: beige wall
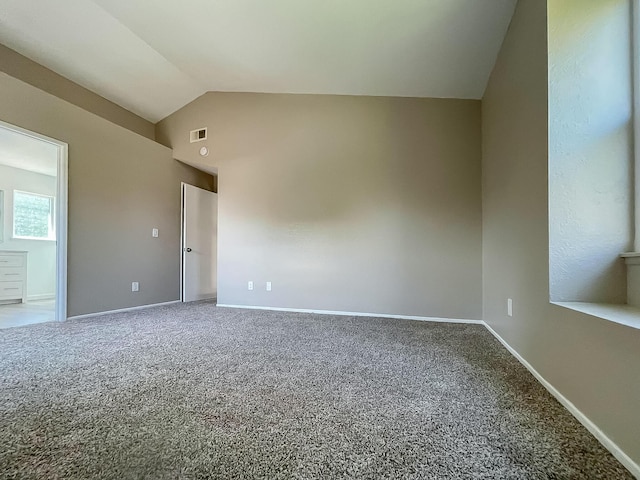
(121,185)
(22,68)
(592,362)
(363,204)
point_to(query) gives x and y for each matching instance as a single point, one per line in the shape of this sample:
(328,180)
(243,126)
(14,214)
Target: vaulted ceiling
(153,57)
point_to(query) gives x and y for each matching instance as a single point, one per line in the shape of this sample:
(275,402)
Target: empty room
(299,239)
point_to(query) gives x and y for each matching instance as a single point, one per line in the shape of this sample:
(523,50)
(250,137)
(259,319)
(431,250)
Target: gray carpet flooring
(196,391)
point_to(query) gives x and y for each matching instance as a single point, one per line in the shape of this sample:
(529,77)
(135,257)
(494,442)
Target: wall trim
(609,444)
(42,296)
(356,314)
(122,310)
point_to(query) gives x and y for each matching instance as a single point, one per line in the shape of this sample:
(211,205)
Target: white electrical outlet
(509,307)
(268,286)
(154,233)
(135,286)
(250,285)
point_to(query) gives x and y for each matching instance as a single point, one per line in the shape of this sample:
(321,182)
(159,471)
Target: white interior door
(199,243)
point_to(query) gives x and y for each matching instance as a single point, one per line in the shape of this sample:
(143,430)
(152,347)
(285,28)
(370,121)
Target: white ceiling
(28,153)
(153,57)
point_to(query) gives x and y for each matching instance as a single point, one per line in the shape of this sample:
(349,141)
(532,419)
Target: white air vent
(198,135)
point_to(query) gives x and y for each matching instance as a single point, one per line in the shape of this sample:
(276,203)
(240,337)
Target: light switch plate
(154,233)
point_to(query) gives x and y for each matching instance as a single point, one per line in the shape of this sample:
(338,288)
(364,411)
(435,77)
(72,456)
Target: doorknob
(188,249)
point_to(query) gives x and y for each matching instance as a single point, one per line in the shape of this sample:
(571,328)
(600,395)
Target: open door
(199,243)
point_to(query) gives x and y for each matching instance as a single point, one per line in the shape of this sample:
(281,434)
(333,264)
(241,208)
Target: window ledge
(631,258)
(37,239)
(623,314)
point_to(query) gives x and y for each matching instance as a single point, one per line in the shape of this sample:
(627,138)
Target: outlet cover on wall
(509,307)
(249,285)
(135,286)
(268,286)
(154,233)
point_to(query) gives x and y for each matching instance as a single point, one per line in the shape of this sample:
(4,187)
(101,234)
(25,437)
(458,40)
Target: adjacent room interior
(28,246)
(320,240)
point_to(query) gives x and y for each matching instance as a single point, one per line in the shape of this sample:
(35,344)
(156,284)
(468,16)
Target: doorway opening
(199,243)
(33,227)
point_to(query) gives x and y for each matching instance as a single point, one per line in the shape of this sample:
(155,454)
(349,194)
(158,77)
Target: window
(33,216)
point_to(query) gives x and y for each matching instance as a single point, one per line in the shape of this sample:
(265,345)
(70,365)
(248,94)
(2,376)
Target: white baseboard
(44,296)
(356,314)
(609,444)
(122,310)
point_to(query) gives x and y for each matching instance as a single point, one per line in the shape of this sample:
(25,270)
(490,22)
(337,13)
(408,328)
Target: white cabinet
(13,276)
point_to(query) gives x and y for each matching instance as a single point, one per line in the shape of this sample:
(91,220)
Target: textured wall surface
(591,361)
(590,149)
(121,185)
(364,204)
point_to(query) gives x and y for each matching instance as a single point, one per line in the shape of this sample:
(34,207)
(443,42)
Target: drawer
(11,274)
(11,260)
(11,290)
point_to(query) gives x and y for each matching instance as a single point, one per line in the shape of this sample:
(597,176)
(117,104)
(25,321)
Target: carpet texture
(196,391)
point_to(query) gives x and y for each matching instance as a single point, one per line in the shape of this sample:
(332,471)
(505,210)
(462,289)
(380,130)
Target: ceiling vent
(198,135)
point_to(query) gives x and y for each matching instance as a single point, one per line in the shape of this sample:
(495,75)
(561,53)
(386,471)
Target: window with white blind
(33,216)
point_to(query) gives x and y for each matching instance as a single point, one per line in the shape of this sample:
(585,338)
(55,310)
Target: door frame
(61,215)
(182,229)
